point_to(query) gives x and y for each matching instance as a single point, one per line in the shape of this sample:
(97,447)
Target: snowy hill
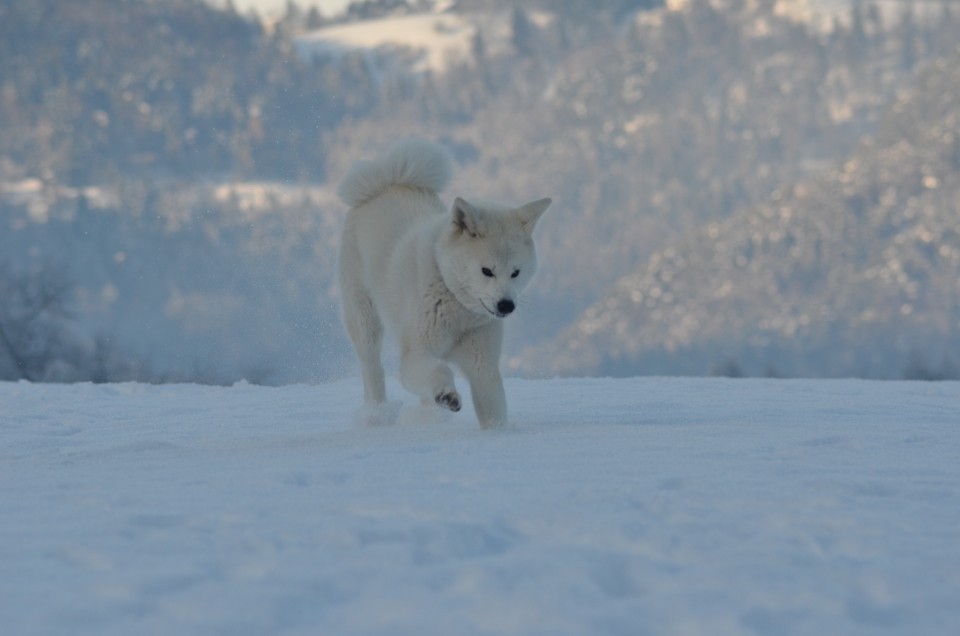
(659,506)
(270,8)
(422,42)
(853,272)
(441,39)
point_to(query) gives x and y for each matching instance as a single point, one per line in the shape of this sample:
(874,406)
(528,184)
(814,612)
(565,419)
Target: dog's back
(390,198)
(413,163)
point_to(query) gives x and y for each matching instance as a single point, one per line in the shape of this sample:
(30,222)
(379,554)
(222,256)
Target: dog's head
(487,256)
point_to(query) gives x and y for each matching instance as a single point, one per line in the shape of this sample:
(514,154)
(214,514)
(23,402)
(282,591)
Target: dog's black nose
(505,307)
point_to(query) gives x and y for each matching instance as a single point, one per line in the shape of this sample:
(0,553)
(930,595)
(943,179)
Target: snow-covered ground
(642,506)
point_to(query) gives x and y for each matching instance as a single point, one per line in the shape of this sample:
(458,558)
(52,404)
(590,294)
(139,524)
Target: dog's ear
(529,213)
(466,218)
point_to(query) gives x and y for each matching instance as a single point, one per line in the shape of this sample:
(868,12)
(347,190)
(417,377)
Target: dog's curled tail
(414,163)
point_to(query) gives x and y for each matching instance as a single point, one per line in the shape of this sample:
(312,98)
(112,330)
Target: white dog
(440,281)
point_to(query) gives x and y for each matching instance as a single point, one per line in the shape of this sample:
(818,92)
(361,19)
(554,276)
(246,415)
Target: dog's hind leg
(366,332)
(361,319)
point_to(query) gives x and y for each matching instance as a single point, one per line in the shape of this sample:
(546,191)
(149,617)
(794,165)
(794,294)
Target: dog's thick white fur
(439,280)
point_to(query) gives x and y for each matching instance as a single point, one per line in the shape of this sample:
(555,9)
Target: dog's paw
(449,400)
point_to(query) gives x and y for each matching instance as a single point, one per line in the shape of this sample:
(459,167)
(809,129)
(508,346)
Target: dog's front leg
(478,356)
(432,380)
(489,398)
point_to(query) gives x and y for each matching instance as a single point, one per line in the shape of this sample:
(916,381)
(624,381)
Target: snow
(328,8)
(438,38)
(634,506)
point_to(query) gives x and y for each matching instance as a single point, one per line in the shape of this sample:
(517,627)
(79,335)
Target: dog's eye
(515,273)
(487,272)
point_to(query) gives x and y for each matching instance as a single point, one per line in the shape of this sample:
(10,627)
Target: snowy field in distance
(641,506)
(274,8)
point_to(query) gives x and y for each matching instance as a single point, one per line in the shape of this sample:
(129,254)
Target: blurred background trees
(179,161)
